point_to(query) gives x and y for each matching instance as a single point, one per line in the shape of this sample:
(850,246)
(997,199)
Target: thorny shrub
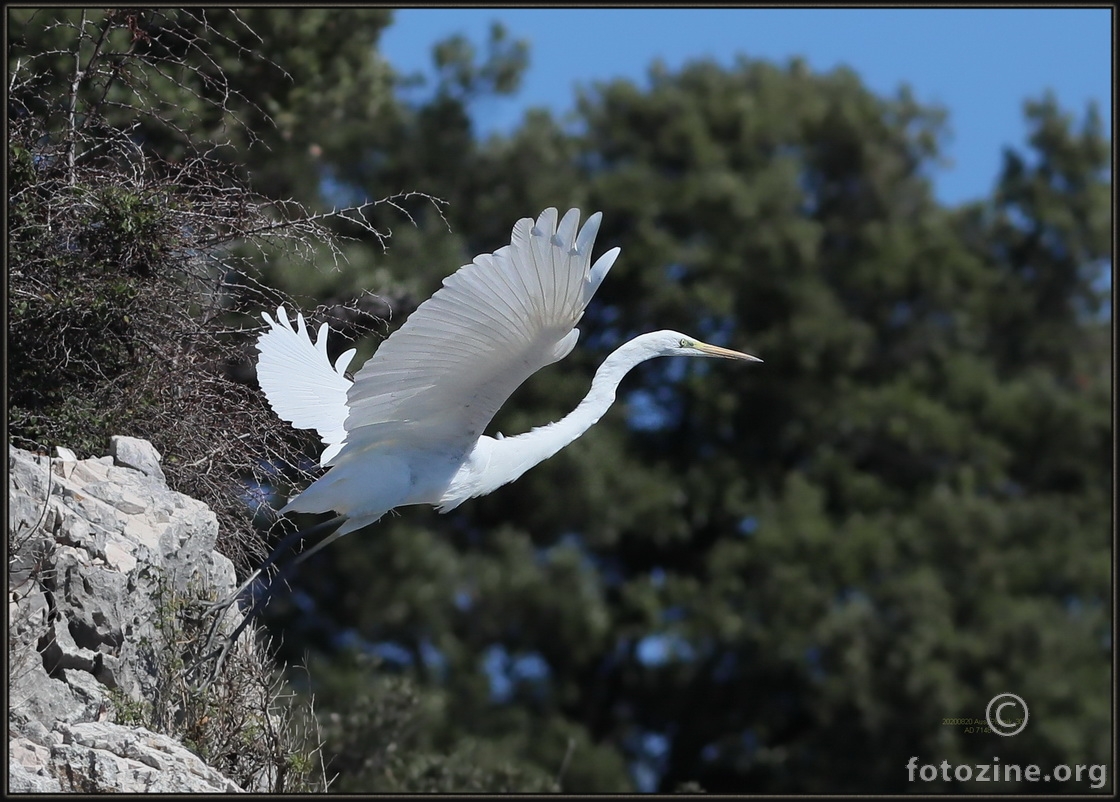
(245,723)
(133,301)
(132,296)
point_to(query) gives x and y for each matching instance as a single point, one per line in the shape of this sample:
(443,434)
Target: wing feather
(299,381)
(439,380)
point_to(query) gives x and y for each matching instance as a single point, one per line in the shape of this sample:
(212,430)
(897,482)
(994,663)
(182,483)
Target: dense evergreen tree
(785,578)
(775,578)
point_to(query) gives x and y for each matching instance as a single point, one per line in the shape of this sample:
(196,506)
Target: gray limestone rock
(100,757)
(98,548)
(29,768)
(131,452)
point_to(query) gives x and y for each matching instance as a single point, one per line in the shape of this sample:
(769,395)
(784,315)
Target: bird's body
(409,429)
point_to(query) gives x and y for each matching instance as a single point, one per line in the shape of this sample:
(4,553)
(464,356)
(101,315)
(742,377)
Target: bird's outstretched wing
(439,380)
(301,385)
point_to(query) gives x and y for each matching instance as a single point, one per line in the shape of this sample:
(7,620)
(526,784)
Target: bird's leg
(289,540)
(224,604)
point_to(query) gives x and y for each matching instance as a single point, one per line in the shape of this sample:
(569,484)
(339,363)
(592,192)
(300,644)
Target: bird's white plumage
(409,429)
(444,374)
(299,381)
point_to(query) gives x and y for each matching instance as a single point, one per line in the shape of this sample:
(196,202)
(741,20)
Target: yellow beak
(726,353)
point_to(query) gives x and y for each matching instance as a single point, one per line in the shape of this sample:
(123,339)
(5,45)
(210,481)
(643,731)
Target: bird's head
(673,343)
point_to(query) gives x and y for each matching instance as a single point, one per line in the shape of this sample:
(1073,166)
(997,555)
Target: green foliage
(94,263)
(127,711)
(125,293)
(779,578)
(380,740)
(500,74)
(756,579)
(245,724)
(244,80)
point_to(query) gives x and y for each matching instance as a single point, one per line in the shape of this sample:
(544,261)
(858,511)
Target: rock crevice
(98,550)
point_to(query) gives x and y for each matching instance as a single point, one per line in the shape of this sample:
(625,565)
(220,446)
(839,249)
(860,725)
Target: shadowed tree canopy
(778,580)
(250,78)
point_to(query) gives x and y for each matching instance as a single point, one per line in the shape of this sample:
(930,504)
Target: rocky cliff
(105,563)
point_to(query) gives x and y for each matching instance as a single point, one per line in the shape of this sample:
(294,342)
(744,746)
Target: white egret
(409,428)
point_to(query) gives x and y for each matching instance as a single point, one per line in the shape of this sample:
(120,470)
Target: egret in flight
(409,428)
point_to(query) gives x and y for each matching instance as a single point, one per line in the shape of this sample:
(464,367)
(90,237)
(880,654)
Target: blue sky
(981,64)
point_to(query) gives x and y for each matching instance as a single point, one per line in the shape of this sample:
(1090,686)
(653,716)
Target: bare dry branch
(133,284)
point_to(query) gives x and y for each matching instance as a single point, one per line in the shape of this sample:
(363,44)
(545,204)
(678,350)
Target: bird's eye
(686,344)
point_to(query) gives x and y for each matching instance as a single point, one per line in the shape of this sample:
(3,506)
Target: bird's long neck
(512,456)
